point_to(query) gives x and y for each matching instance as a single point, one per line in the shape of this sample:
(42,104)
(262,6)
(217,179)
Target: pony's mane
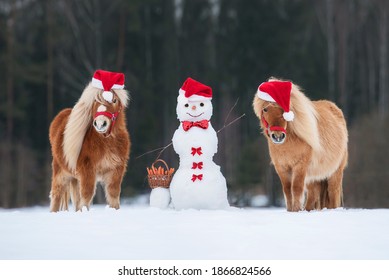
(304,124)
(80,120)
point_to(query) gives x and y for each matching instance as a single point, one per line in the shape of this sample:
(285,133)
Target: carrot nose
(194,107)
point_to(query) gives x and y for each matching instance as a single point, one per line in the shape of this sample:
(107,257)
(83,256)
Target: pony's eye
(202,104)
(265,109)
(187,105)
(114,100)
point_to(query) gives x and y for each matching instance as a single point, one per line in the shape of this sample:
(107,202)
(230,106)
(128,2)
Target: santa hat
(108,80)
(195,91)
(279,92)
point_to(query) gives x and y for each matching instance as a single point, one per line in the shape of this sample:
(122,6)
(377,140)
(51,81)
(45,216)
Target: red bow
(198,165)
(195,177)
(186,125)
(196,150)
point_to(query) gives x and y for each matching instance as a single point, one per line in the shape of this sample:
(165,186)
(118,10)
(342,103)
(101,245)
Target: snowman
(198,182)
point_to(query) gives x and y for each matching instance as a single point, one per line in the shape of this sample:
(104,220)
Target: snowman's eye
(202,104)
(187,105)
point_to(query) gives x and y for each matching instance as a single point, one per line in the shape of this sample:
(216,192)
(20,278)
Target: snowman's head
(194,101)
(189,109)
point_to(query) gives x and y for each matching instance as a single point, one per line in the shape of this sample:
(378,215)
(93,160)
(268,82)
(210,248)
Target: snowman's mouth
(195,116)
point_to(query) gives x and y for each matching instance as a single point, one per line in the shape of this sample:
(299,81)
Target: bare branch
(224,126)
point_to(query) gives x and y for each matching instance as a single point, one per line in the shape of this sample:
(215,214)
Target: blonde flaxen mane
(79,121)
(304,124)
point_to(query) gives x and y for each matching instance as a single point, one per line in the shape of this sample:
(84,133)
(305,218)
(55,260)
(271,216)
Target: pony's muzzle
(277,137)
(101,124)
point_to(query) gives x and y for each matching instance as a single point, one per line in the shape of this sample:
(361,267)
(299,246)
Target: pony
(89,144)
(309,153)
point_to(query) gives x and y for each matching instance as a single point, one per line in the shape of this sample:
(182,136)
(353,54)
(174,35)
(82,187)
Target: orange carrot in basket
(148,170)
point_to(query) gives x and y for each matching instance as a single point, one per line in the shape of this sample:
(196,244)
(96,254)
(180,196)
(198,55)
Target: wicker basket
(160,180)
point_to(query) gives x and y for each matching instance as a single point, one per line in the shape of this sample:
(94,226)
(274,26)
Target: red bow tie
(186,125)
(195,177)
(198,165)
(196,150)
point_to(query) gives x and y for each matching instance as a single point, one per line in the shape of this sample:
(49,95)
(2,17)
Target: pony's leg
(75,194)
(87,188)
(284,176)
(58,188)
(335,190)
(64,204)
(313,196)
(298,187)
(113,181)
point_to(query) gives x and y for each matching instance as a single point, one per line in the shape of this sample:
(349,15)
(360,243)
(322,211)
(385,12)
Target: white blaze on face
(101,123)
(101,108)
(193,110)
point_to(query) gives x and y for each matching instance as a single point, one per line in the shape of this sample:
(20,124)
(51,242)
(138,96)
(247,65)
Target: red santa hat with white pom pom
(195,91)
(108,80)
(278,92)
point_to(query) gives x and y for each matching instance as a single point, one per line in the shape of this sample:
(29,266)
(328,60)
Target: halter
(112,116)
(268,128)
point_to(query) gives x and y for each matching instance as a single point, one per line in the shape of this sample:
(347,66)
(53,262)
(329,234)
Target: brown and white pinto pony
(309,153)
(90,143)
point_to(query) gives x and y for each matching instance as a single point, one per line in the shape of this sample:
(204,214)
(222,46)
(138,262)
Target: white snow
(140,232)
(160,198)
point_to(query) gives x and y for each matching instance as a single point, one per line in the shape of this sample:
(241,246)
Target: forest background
(336,50)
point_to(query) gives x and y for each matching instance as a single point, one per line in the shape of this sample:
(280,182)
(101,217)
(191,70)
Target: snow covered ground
(140,232)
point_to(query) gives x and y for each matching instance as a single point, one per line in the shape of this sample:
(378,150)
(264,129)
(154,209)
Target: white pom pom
(288,116)
(108,96)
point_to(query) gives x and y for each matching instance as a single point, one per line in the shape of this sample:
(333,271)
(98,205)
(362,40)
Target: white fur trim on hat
(98,84)
(265,96)
(288,116)
(181,91)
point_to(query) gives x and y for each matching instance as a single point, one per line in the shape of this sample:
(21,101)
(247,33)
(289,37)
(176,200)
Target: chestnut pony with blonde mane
(312,155)
(90,143)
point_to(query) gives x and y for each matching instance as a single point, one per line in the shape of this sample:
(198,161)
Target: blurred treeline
(335,50)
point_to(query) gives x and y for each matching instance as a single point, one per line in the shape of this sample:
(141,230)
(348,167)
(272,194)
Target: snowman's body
(198,182)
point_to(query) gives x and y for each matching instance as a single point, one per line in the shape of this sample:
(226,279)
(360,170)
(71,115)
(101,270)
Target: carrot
(148,170)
